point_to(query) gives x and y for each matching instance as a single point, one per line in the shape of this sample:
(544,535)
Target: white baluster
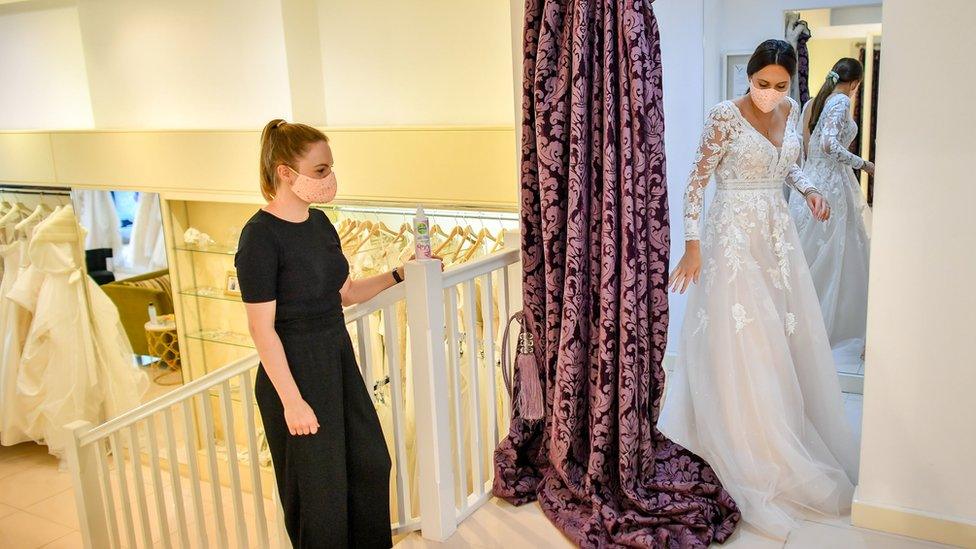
(404,512)
(236,492)
(257,490)
(124,497)
(193,464)
(488,341)
(107,493)
(474,390)
(209,435)
(176,478)
(365,352)
(425,309)
(454,383)
(157,479)
(135,453)
(83,463)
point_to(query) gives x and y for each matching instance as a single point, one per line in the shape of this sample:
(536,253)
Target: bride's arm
(712,148)
(815,200)
(831,121)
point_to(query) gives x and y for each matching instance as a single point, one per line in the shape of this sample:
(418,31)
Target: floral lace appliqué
(790,323)
(702,322)
(740,318)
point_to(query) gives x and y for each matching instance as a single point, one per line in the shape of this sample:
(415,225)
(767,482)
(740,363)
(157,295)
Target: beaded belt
(750,184)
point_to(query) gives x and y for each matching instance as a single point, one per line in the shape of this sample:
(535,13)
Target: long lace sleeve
(832,119)
(798,180)
(714,142)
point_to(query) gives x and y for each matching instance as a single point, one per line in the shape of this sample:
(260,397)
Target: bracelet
(396,276)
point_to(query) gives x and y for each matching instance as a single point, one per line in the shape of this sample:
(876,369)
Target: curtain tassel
(529,403)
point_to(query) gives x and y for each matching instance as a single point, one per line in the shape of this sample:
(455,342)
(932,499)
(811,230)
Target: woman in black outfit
(331,462)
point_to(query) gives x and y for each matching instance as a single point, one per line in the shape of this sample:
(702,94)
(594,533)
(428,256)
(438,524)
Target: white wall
(919,443)
(416,62)
(43,83)
(856,15)
(680,23)
(185,63)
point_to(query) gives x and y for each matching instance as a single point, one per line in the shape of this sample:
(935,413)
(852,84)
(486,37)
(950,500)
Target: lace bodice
(741,158)
(835,132)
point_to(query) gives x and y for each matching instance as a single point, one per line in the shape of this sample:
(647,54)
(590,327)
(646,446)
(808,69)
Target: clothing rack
(437,212)
(33,190)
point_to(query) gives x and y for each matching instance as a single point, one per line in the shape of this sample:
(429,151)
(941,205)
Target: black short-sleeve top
(298,265)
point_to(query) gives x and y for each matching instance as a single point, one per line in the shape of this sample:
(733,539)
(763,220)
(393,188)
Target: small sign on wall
(734,78)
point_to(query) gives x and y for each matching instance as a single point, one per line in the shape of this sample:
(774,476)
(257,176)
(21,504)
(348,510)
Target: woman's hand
(402,272)
(868,167)
(688,269)
(301,418)
(819,206)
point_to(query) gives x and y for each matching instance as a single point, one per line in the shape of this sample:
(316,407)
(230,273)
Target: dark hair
(845,70)
(772,52)
(283,143)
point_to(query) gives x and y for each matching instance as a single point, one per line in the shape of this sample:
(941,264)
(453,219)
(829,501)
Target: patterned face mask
(314,191)
(765,99)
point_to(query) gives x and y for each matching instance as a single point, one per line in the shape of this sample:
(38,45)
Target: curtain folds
(595,259)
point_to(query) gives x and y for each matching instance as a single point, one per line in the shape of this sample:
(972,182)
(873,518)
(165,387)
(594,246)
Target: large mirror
(839,53)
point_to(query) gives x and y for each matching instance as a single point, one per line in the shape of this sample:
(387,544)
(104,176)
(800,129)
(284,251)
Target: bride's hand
(868,167)
(819,206)
(688,269)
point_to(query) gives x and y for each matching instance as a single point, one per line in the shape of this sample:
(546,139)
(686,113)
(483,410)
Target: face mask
(765,99)
(314,191)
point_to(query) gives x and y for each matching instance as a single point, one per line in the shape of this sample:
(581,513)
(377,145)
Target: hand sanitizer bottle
(421,233)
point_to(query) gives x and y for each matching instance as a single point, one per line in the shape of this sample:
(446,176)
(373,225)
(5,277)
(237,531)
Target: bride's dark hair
(772,52)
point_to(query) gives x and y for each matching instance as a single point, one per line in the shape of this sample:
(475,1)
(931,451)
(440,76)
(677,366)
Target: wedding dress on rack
(836,250)
(754,391)
(15,322)
(76,362)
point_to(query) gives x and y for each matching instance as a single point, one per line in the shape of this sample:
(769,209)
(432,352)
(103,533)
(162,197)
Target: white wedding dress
(837,250)
(754,391)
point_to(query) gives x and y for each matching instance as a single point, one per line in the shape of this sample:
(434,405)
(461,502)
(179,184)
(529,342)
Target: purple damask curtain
(595,259)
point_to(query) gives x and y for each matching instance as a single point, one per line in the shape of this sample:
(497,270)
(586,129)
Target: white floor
(501,525)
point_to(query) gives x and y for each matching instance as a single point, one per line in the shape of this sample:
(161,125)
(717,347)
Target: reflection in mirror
(125,254)
(839,52)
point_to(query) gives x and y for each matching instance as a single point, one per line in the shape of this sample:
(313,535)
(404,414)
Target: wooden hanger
(479,242)
(456,231)
(465,236)
(373,231)
(499,241)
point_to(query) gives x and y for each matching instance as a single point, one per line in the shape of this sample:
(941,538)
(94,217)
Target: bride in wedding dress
(754,391)
(836,250)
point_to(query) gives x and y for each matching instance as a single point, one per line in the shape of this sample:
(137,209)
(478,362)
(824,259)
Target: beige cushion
(160,283)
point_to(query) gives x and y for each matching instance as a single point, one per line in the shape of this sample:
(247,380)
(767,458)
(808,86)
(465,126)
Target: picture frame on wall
(232,286)
(735,81)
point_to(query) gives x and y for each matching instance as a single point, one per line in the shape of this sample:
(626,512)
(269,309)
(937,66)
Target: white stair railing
(157,475)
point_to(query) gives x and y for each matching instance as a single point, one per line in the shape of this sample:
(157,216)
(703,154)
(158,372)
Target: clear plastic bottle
(153,319)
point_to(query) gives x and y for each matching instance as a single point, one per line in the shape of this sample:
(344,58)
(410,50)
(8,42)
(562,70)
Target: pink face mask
(765,99)
(314,191)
